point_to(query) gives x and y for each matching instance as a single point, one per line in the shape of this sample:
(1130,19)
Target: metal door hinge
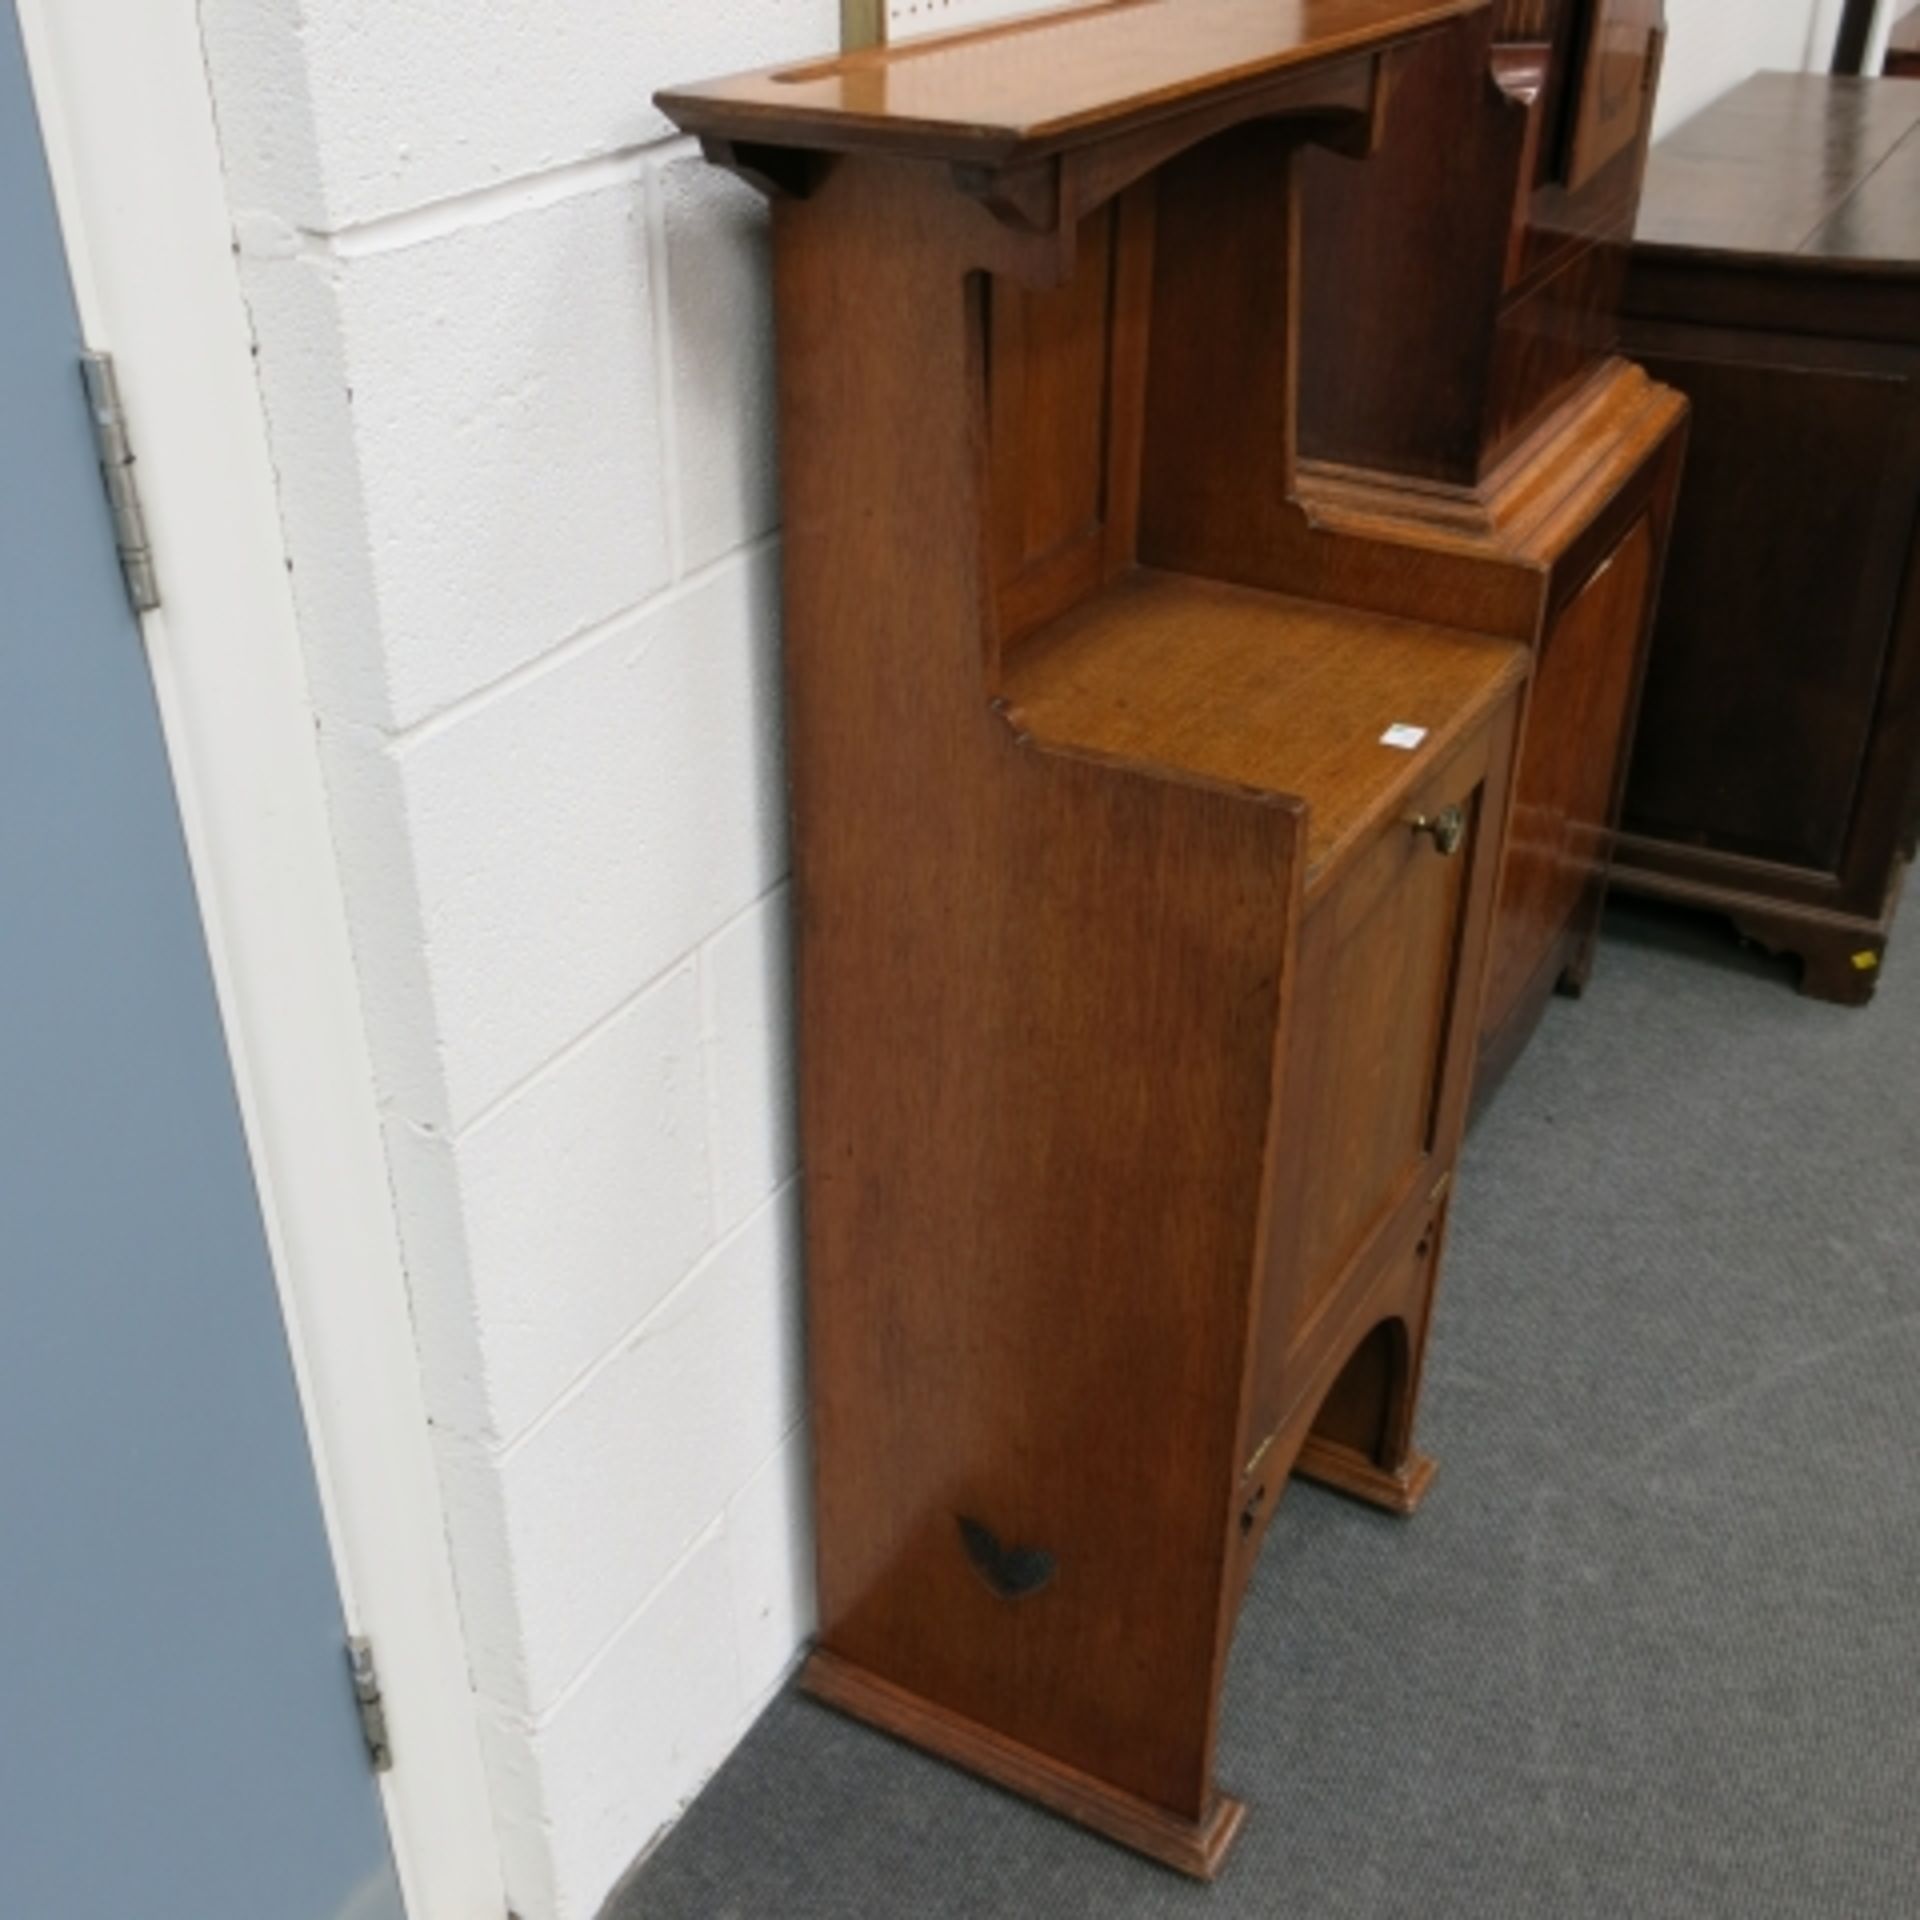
(116,469)
(373,1709)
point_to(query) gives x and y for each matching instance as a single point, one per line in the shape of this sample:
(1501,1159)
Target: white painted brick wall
(572,835)
(340,112)
(590,1510)
(562,1219)
(514,349)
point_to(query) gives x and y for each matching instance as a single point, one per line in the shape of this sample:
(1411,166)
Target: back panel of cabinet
(1101,394)
(1066,373)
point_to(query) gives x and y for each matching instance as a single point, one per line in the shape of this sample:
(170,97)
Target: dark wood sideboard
(1150,800)
(1776,281)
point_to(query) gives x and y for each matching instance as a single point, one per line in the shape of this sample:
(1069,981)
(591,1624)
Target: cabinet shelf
(1285,696)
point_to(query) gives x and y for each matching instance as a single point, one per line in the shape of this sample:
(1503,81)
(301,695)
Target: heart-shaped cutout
(1012,1572)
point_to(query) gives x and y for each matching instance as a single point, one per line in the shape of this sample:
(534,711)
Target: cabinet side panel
(1037,1007)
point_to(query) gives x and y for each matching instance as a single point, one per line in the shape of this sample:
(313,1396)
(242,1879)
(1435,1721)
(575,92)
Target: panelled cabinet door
(1372,1075)
(1581,705)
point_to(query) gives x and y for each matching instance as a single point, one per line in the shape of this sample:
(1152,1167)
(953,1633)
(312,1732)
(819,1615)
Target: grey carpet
(1651,1649)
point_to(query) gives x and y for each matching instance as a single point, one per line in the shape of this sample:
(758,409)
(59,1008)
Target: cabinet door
(1560,842)
(1374,1075)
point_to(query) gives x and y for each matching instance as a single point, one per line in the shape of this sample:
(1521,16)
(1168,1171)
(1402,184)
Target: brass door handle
(1448,828)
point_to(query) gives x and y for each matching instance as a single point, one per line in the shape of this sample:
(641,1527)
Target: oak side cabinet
(1147,828)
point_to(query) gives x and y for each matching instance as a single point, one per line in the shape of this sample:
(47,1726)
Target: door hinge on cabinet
(367,1698)
(116,469)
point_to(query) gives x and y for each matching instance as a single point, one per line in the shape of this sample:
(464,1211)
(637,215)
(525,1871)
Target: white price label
(1404,737)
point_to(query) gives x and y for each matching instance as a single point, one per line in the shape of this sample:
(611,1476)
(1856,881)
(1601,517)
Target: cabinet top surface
(1793,166)
(1285,697)
(1045,81)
